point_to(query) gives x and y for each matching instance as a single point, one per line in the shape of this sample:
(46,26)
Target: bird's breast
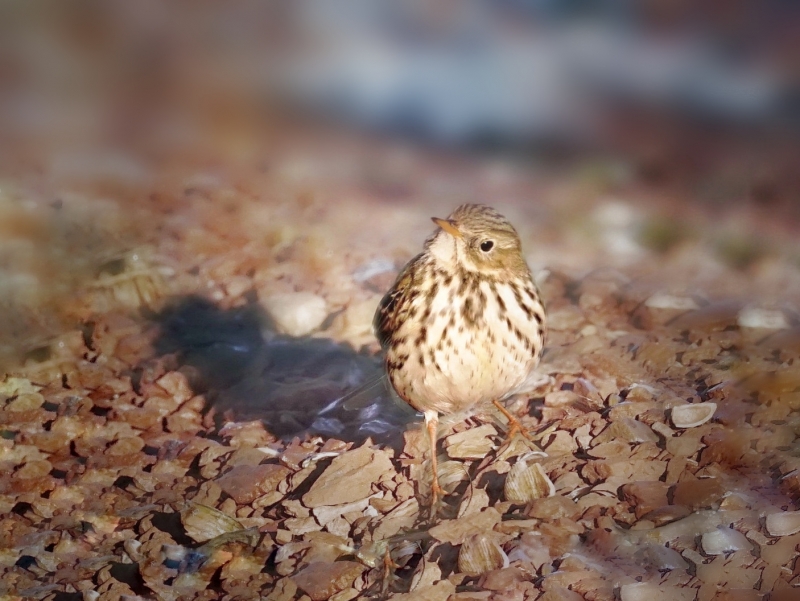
(466,341)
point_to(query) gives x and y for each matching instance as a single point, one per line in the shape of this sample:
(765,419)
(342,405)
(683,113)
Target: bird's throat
(444,251)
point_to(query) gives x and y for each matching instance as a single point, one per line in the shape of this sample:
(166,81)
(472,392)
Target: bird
(464,323)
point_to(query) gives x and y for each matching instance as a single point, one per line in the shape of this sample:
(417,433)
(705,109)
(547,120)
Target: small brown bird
(463,323)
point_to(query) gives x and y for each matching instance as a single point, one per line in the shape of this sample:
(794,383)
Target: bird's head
(477,238)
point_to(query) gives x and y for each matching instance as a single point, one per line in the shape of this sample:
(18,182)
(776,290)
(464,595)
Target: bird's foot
(514,425)
(437,493)
(389,567)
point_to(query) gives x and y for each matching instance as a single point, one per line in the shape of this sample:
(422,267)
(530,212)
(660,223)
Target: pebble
(296,313)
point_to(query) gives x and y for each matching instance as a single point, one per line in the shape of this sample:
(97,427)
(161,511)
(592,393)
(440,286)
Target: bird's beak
(448,226)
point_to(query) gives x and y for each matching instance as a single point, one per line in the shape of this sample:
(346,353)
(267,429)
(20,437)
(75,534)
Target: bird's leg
(432,424)
(514,425)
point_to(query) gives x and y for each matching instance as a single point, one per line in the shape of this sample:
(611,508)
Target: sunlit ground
(189,265)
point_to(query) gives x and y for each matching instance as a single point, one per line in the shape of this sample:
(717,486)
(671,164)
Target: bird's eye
(487,245)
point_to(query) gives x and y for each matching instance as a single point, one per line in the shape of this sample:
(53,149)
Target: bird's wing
(395,305)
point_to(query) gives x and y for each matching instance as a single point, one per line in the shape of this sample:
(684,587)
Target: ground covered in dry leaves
(153,446)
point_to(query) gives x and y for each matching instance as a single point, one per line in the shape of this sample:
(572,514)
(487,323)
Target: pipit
(464,323)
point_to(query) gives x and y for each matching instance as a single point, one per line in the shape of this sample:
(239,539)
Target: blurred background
(689,108)
(607,76)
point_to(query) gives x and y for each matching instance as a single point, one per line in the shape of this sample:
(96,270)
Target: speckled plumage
(463,323)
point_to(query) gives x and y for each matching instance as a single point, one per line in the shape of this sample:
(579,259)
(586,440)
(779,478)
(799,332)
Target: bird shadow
(297,386)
